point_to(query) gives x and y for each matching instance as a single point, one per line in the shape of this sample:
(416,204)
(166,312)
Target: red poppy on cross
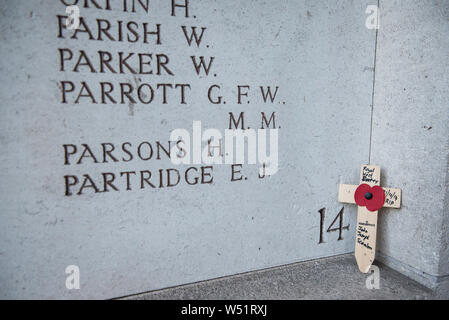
(369,197)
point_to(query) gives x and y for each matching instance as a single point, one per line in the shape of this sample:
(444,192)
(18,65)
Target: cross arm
(392,195)
(346,193)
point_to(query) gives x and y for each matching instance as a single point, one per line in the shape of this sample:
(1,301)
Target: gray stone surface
(328,278)
(320,55)
(411,134)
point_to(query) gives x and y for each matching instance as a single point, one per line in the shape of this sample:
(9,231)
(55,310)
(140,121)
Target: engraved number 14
(338,228)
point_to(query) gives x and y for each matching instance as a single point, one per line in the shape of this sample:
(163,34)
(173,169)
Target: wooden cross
(365,245)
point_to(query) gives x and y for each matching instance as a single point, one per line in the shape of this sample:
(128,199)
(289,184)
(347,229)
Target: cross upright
(369,197)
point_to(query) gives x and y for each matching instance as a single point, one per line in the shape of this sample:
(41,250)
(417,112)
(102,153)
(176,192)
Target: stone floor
(330,278)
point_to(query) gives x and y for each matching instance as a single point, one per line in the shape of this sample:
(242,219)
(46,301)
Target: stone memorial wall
(109,107)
